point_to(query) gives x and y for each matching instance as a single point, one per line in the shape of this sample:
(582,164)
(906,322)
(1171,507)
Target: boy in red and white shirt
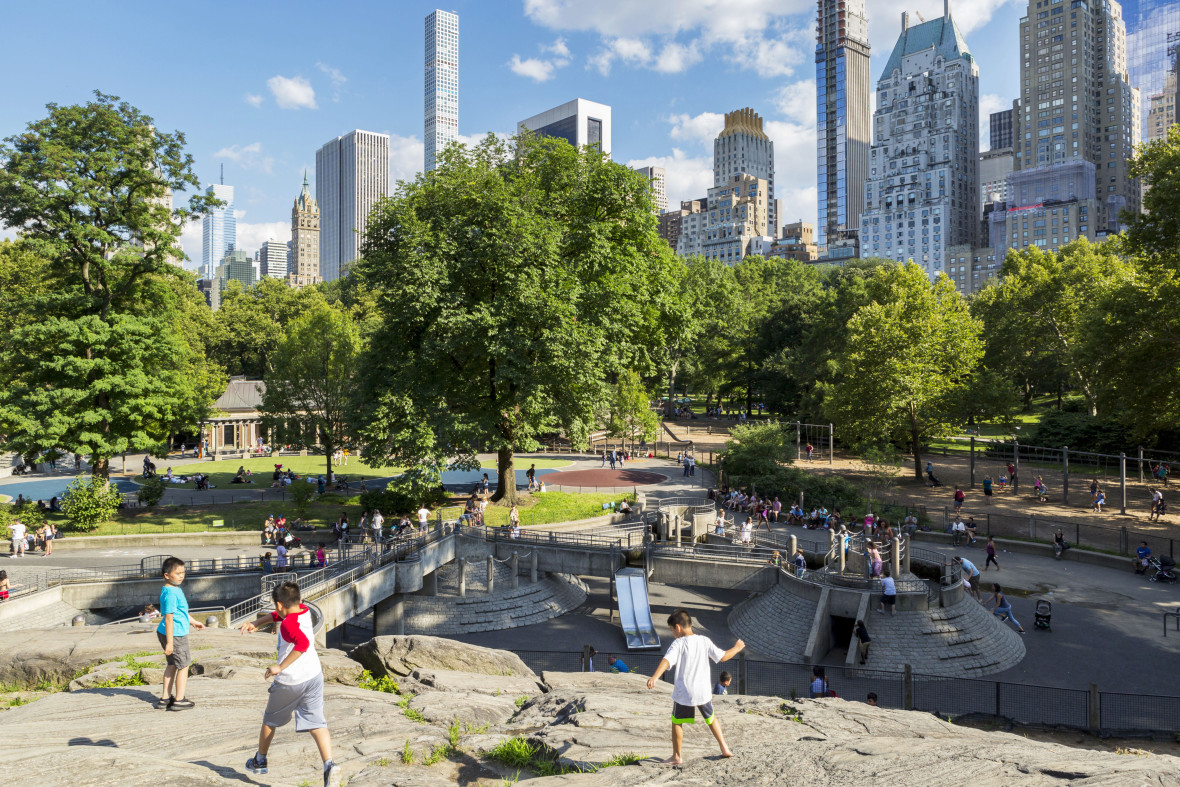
(298,687)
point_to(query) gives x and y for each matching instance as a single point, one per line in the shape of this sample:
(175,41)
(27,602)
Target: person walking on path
(888,594)
(990,548)
(862,640)
(959,498)
(17,529)
(1002,609)
(691,653)
(987,490)
(298,687)
(810,450)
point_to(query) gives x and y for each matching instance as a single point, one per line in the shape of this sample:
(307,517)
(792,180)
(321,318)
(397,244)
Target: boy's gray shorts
(305,700)
(180,658)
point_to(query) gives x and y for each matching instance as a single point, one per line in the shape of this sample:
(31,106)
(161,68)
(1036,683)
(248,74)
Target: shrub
(1081,432)
(89,502)
(301,494)
(401,497)
(150,491)
(383,683)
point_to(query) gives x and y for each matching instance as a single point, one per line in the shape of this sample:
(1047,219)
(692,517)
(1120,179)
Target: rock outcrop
(112,735)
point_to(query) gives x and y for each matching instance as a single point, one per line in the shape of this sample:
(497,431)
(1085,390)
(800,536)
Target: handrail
(1175,613)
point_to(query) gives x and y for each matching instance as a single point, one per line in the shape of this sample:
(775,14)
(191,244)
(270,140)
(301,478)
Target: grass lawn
(549,507)
(222,473)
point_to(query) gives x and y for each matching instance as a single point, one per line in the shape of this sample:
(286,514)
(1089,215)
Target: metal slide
(634,610)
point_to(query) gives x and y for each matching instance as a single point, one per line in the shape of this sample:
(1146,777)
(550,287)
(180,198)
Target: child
(298,687)
(691,654)
(3,586)
(173,635)
(723,681)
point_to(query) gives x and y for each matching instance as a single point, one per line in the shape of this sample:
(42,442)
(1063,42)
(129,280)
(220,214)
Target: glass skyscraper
(842,116)
(442,83)
(1153,35)
(351,174)
(219,230)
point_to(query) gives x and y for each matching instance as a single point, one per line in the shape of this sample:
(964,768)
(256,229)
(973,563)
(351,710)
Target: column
(430,584)
(515,563)
(389,616)
(462,562)
(491,574)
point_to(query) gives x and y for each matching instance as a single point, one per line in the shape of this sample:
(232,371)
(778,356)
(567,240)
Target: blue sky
(259,86)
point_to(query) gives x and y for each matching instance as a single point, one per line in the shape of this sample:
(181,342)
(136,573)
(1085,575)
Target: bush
(301,494)
(401,498)
(150,491)
(1081,432)
(89,502)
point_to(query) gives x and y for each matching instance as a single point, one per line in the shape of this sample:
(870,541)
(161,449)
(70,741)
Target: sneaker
(256,764)
(331,774)
(181,704)
(163,703)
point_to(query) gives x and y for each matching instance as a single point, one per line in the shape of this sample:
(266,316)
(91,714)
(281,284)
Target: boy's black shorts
(685,714)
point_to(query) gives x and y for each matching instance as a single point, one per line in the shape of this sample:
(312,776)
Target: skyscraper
(219,230)
(1000,128)
(442,83)
(351,174)
(578,122)
(842,115)
(235,266)
(1076,102)
(1153,34)
(272,259)
(657,179)
(922,194)
(742,148)
(304,247)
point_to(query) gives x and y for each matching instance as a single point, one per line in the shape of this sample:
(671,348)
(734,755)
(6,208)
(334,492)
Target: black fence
(1020,703)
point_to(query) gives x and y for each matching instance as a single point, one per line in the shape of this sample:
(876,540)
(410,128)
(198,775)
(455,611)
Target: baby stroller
(1042,615)
(1165,569)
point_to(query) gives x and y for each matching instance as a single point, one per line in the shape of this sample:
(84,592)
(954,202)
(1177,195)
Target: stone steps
(775,624)
(508,608)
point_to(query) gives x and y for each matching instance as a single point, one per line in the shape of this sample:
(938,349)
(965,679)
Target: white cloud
(248,156)
(337,78)
(534,68)
(687,177)
(989,103)
(797,101)
(541,69)
(406,158)
(885,16)
(702,128)
(253,99)
(674,57)
(292,92)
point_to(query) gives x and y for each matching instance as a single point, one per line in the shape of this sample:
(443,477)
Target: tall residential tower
(922,194)
(742,148)
(351,174)
(442,83)
(1076,103)
(1153,36)
(842,115)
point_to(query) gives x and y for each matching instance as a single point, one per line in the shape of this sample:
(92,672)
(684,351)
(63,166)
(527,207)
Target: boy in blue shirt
(173,635)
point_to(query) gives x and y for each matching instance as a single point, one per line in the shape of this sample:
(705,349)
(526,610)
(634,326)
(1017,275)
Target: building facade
(672,221)
(994,168)
(1162,110)
(272,259)
(1048,207)
(219,229)
(742,148)
(972,267)
(351,174)
(303,267)
(1153,32)
(843,115)
(1000,128)
(922,194)
(797,242)
(1076,102)
(235,266)
(442,84)
(578,122)
(738,213)
(657,180)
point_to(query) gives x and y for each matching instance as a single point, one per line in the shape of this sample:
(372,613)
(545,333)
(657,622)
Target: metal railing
(1026,704)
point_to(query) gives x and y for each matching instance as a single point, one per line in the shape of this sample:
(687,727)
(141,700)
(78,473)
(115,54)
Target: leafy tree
(89,501)
(909,354)
(513,283)
(250,323)
(98,367)
(309,382)
(631,415)
(1155,233)
(150,491)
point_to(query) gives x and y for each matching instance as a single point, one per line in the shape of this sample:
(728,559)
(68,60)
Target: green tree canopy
(631,415)
(909,354)
(309,382)
(98,365)
(513,283)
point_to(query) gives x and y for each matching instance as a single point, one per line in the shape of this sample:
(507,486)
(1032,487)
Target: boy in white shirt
(298,688)
(690,654)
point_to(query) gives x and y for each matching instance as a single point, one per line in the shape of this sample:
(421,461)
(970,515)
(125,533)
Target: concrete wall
(733,576)
(201,590)
(19,606)
(169,542)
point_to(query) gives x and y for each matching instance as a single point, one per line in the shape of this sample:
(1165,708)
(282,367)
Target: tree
(909,354)
(250,323)
(1155,233)
(631,415)
(309,382)
(89,501)
(513,283)
(98,369)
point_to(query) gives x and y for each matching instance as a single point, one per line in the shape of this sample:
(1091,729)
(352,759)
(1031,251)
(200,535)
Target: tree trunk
(100,466)
(671,391)
(506,483)
(328,457)
(916,443)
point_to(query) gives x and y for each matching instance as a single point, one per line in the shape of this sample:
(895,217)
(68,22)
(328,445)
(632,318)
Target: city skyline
(669,76)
